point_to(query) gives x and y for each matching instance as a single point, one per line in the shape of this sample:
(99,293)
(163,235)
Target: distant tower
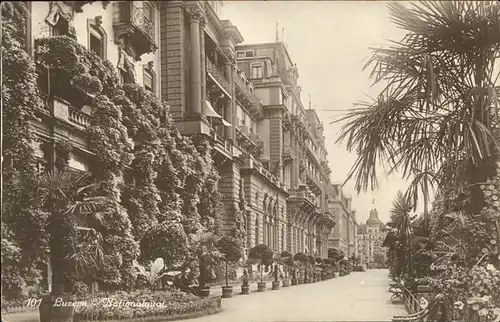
(277,32)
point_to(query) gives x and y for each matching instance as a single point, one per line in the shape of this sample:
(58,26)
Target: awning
(210,111)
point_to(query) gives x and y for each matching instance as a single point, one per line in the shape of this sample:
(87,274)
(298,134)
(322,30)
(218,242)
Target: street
(360,296)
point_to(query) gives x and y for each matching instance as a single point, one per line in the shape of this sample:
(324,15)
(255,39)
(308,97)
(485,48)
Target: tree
(67,199)
(286,258)
(262,255)
(435,121)
(230,247)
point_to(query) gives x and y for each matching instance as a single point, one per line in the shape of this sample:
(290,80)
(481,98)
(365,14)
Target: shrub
(173,302)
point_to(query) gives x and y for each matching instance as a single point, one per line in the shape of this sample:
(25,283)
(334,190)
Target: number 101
(33,302)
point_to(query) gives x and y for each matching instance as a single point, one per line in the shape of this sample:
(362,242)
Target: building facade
(370,239)
(270,149)
(343,236)
(125,33)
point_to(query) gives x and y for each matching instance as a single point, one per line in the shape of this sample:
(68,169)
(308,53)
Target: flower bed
(144,305)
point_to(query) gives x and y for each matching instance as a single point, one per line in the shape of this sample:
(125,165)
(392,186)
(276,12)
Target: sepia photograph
(250,161)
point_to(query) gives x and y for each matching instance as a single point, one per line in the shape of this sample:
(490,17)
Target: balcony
(244,93)
(313,182)
(222,145)
(217,76)
(314,156)
(248,141)
(61,110)
(252,163)
(135,24)
(304,195)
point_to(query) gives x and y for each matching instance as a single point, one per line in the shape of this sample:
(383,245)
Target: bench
(397,290)
(418,316)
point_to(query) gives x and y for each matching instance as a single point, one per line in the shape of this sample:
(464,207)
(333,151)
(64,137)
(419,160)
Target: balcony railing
(246,89)
(63,111)
(313,181)
(217,75)
(303,194)
(222,142)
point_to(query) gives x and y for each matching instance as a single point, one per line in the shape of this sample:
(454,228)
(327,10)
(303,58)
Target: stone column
(228,107)
(195,16)
(203,70)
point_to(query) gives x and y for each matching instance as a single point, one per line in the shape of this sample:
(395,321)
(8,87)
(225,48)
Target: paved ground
(360,296)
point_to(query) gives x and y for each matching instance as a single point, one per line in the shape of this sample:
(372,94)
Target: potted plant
(230,247)
(276,282)
(329,262)
(262,255)
(209,255)
(302,261)
(311,265)
(320,264)
(287,261)
(245,289)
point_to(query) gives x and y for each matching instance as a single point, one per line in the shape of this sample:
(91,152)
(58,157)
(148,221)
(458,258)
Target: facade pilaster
(228,108)
(195,17)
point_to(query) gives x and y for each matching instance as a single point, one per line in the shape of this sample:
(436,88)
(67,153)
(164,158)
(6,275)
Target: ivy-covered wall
(175,195)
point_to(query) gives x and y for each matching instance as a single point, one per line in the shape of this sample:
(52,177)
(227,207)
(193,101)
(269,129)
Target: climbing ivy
(131,133)
(21,102)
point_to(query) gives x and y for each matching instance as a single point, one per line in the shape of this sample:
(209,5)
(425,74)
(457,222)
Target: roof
(373,220)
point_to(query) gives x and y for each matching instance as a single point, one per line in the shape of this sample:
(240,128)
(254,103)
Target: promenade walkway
(360,296)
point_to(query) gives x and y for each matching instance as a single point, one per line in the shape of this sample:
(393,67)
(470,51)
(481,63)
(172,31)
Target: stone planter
(286,283)
(245,289)
(227,292)
(275,285)
(261,286)
(205,292)
(294,281)
(48,312)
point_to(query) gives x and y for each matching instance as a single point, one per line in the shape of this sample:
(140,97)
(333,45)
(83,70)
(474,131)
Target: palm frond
(435,109)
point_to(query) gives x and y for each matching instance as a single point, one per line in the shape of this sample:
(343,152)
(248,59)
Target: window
(149,80)
(249,53)
(240,54)
(96,44)
(97,38)
(257,71)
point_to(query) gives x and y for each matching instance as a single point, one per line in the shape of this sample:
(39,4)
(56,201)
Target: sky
(330,42)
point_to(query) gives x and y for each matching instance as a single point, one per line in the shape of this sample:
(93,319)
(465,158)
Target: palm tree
(401,218)
(436,119)
(69,202)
